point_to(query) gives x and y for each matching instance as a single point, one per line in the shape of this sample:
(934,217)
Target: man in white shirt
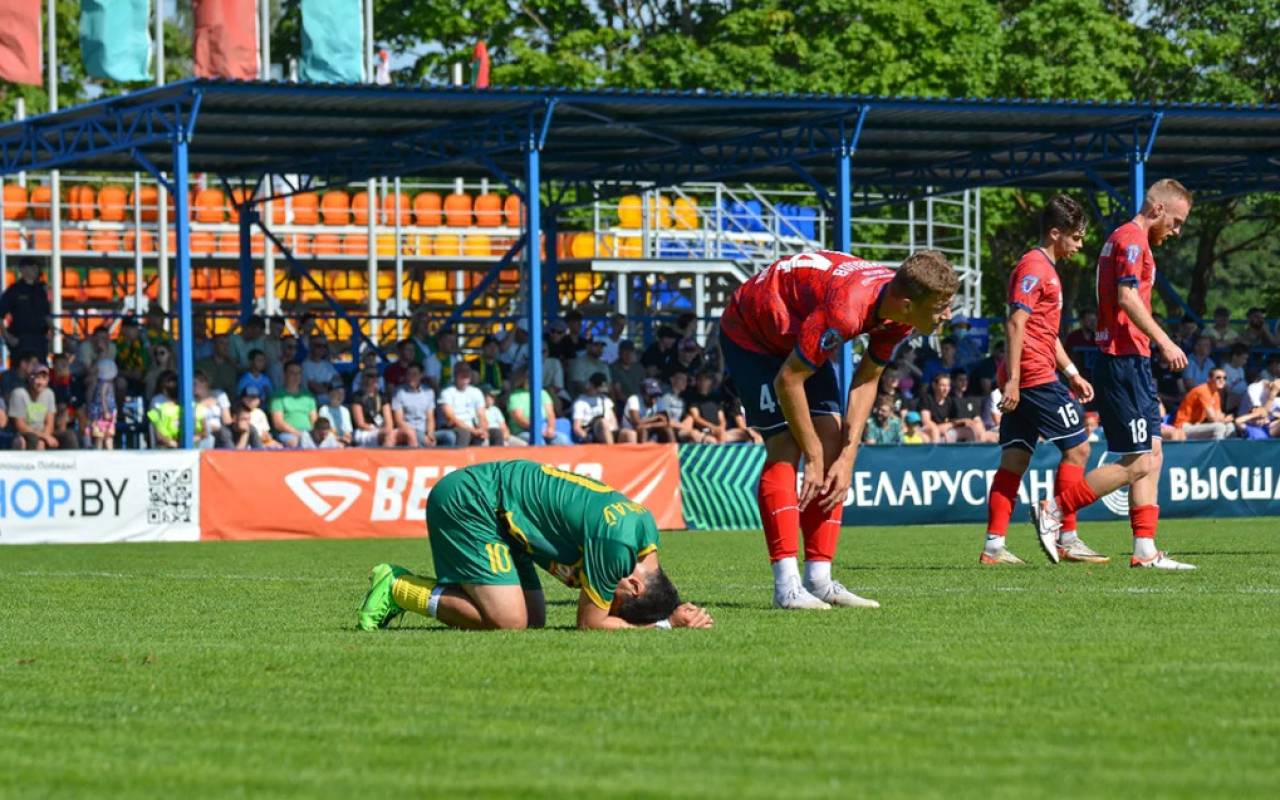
(462,406)
(1259,412)
(593,416)
(318,372)
(645,415)
(588,363)
(617,332)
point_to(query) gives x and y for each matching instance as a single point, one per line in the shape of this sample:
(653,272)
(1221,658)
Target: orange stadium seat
(447,244)
(386,244)
(427,209)
(389,209)
(105,242)
(210,205)
(360,208)
(75,240)
(335,207)
(306,208)
(150,196)
(488,210)
(112,203)
(513,210)
(686,214)
(40,196)
(238,196)
(13,240)
(299,243)
(582,246)
(326,244)
(129,242)
(630,211)
(457,210)
(355,244)
(202,242)
(478,244)
(228,244)
(15,201)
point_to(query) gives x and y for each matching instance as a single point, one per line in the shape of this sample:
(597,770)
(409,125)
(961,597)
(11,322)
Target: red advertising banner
(361,493)
(20,42)
(226,39)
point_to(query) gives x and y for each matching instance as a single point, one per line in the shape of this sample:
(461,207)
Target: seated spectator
(290,353)
(593,416)
(1169,432)
(561,345)
(1256,333)
(165,415)
(337,413)
(154,328)
(736,419)
(1199,364)
(487,370)
(883,426)
(93,349)
(293,410)
(318,372)
(939,414)
(398,370)
(213,409)
(133,357)
(688,359)
(372,418)
(588,363)
(1187,333)
(462,409)
(1200,414)
(240,434)
(913,429)
(553,375)
(705,407)
(658,356)
(252,337)
(910,378)
(1237,361)
(687,325)
(888,388)
(577,334)
(321,436)
(991,413)
(256,377)
(61,381)
(103,411)
(1083,337)
(1168,382)
(368,361)
(513,351)
(220,367)
(437,368)
(251,399)
(645,416)
(32,409)
(15,377)
(1258,416)
(518,411)
(614,339)
(673,403)
(162,361)
(969,350)
(414,407)
(943,364)
(495,422)
(1220,332)
(628,373)
(969,408)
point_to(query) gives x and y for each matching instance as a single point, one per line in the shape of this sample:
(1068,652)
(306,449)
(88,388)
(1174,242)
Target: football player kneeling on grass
(491,525)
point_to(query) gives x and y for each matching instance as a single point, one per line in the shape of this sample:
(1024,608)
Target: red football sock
(821,531)
(1143,520)
(1069,475)
(779,509)
(1074,498)
(1002,500)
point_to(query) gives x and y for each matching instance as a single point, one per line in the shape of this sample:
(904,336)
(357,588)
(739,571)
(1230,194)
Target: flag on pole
(382,75)
(332,47)
(226,39)
(115,39)
(20,60)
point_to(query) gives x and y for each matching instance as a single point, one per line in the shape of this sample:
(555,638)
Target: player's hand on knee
(811,488)
(836,486)
(687,615)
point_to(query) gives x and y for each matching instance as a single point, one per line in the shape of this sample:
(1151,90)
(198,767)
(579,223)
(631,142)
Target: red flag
(226,39)
(20,42)
(481,66)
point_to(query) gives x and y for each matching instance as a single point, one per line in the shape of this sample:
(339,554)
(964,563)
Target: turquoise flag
(332,41)
(115,39)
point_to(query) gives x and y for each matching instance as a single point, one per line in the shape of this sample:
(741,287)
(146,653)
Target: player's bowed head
(1166,206)
(921,291)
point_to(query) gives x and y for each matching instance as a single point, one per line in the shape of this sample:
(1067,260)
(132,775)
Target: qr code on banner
(169,495)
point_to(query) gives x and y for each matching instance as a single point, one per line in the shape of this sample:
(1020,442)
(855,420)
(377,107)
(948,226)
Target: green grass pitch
(233,670)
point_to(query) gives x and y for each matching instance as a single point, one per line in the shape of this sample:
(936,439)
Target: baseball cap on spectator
(651,387)
(489,389)
(337,383)
(250,391)
(557,326)
(39,368)
(913,417)
(626,344)
(689,344)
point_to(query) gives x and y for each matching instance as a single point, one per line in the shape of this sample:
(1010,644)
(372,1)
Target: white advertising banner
(99,496)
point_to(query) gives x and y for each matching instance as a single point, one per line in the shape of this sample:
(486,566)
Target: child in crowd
(251,396)
(499,433)
(338,414)
(911,428)
(321,434)
(102,404)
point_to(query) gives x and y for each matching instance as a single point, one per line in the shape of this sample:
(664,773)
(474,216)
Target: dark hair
(1239,348)
(1061,212)
(322,424)
(658,601)
(685,319)
(573,313)
(958,371)
(1221,311)
(948,341)
(254,353)
(243,408)
(598,379)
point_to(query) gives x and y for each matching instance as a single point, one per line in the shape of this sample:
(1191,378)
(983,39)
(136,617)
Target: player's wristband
(1071,371)
(663,624)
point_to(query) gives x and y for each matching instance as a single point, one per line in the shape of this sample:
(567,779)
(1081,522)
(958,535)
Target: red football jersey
(1034,287)
(813,303)
(1125,260)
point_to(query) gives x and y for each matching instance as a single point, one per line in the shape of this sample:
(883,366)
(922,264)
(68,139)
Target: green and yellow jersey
(583,532)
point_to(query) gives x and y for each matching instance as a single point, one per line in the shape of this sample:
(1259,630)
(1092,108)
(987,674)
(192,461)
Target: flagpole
(55,192)
(264,36)
(162,194)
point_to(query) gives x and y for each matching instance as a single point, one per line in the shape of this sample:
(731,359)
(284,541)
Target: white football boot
(1160,561)
(791,595)
(834,593)
(1047,518)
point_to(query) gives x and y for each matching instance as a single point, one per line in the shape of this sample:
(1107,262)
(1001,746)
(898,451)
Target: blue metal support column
(550,283)
(248,214)
(186,339)
(533,261)
(843,233)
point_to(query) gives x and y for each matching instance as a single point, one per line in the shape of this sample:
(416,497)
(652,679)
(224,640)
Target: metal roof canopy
(600,140)
(590,144)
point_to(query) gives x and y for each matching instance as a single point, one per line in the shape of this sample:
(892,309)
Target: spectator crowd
(280,386)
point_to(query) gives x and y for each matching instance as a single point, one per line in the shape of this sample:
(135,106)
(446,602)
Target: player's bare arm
(592,617)
(1081,387)
(862,396)
(1130,302)
(789,388)
(1015,329)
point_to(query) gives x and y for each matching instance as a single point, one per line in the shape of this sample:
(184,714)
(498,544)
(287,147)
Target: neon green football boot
(379,608)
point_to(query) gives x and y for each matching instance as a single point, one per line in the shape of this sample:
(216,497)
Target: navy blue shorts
(1046,412)
(1125,393)
(753,375)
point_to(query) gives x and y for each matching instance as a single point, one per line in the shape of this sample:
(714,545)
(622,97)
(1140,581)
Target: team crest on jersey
(1028,283)
(830,339)
(1132,253)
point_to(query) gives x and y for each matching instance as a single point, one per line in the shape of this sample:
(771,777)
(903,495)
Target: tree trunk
(1218,216)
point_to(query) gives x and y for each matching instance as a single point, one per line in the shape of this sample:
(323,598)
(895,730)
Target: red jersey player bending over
(1127,400)
(778,336)
(1034,402)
